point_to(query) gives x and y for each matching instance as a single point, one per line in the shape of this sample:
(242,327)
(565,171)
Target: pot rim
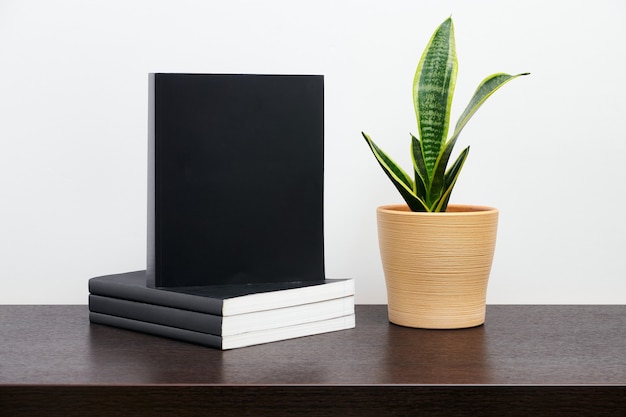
(453,210)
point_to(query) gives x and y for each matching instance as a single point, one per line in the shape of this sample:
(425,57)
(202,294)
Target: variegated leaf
(433,88)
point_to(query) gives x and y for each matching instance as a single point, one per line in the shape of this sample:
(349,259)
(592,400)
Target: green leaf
(414,202)
(450,180)
(433,88)
(396,173)
(485,89)
(419,166)
(437,185)
(399,178)
(440,186)
(455,169)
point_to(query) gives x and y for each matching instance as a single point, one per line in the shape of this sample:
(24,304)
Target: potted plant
(436,256)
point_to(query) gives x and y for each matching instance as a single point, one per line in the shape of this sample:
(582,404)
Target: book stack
(222,316)
(235,216)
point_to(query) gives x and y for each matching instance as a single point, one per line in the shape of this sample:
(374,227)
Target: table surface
(517,345)
(525,345)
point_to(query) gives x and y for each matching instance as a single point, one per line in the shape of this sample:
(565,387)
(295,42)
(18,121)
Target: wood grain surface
(525,359)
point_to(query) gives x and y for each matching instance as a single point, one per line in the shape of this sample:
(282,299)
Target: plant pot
(437,265)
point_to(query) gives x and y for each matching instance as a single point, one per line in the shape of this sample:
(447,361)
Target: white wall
(547,150)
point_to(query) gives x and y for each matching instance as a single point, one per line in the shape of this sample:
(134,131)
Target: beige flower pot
(437,265)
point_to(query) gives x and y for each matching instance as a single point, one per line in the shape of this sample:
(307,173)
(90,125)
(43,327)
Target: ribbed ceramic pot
(437,265)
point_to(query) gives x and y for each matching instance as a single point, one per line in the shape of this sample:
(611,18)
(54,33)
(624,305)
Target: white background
(548,150)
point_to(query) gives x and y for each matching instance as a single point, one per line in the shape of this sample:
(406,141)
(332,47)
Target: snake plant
(433,87)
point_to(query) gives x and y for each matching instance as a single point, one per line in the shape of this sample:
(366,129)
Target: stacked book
(222,316)
(235,216)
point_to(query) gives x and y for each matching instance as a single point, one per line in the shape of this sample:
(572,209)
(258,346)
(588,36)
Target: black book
(236,165)
(232,341)
(235,214)
(220,300)
(223,325)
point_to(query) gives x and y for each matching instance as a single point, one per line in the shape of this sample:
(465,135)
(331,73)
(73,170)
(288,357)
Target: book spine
(173,317)
(203,339)
(156,296)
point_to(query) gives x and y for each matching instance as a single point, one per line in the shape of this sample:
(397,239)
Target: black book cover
(235,179)
(227,342)
(222,325)
(204,339)
(220,300)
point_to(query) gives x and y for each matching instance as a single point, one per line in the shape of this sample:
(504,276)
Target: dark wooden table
(525,360)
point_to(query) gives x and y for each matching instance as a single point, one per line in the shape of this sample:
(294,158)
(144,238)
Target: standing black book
(235,179)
